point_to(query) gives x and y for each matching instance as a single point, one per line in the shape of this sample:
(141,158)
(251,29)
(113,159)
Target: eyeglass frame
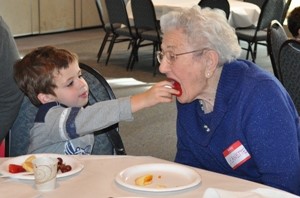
(160,53)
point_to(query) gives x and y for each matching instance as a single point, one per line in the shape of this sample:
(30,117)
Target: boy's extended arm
(158,93)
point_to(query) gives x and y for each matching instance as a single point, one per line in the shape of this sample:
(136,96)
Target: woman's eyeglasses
(171,56)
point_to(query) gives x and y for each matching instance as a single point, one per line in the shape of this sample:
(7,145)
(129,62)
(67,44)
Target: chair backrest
(271,10)
(259,3)
(117,13)
(100,90)
(289,68)
(106,140)
(285,10)
(102,11)
(219,4)
(276,36)
(144,16)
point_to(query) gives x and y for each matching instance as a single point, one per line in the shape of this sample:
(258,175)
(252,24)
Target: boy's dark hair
(35,72)
(294,21)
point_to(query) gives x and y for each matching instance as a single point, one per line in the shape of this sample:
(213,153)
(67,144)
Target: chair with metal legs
(106,26)
(271,10)
(147,28)
(276,36)
(117,14)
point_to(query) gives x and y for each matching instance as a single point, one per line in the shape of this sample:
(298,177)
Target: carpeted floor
(153,130)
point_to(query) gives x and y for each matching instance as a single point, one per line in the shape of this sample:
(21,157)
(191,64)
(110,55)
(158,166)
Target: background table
(242,14)
(97,180)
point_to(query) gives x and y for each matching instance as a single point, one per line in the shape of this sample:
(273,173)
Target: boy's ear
(45,98)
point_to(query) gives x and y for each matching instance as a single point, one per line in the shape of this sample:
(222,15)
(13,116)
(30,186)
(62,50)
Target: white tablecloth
(242,14)
(97,179)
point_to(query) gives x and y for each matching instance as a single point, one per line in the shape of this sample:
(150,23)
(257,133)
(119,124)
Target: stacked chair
(276,36)
(271,10)
(285,11)
(106,26)
(120,26)
(289,69)
(147,28)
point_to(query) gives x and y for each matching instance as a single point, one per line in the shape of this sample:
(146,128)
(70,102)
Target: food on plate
(27,164)
(175,85)
(15,168)
(144,180)
(62,166)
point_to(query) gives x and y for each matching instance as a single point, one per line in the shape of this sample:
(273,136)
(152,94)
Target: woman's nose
(163,67)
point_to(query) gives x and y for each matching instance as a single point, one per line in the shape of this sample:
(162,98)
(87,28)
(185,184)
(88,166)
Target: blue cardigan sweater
(254,110)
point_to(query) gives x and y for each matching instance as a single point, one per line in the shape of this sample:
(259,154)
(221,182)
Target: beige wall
(89,15)
(26,17)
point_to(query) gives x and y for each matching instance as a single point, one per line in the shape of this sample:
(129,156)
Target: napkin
(256,193)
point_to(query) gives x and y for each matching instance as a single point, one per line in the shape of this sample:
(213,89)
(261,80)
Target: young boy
(52,80)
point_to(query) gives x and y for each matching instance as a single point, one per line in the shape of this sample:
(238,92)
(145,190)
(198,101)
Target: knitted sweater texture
(253,111)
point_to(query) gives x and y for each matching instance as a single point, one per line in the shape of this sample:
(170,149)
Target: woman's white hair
(205,27)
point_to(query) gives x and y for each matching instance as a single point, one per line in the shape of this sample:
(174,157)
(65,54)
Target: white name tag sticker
(236,154)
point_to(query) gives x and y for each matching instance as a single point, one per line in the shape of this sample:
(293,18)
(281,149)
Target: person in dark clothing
(10,95)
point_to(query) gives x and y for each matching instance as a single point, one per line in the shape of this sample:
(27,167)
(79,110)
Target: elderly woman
(233,117)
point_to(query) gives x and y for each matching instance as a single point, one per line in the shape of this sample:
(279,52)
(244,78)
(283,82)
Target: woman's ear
(45,98)
(212,60)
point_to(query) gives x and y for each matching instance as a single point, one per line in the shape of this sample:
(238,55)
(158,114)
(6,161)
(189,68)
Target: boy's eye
(80,76)
(70,84)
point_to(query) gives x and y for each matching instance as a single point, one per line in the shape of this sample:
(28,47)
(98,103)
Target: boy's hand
(161,92)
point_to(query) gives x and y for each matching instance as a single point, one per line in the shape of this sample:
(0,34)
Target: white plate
(67,159)
(166,177)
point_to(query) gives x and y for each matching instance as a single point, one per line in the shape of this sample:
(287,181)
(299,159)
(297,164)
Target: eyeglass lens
(169,55)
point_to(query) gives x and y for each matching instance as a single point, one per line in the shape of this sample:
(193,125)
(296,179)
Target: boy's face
(72,90)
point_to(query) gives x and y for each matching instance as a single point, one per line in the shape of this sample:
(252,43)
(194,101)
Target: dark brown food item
(61,166)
